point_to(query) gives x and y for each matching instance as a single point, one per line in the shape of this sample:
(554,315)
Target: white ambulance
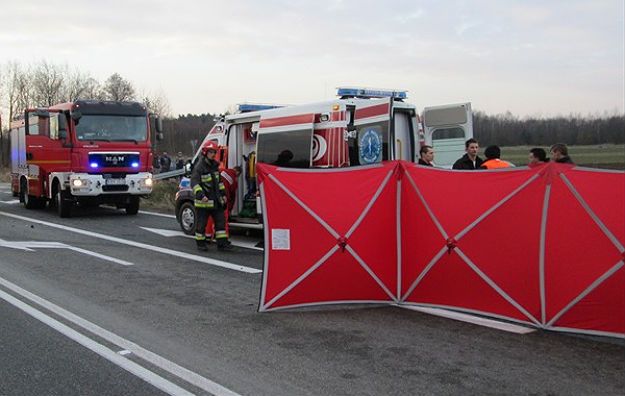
(361,127)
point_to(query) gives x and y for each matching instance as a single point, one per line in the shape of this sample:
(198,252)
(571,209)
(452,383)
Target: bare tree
(94,90)
(76,85)
(48,79)
(157,103)
(119,89)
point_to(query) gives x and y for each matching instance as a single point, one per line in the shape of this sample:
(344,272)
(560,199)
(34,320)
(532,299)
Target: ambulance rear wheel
(63,204)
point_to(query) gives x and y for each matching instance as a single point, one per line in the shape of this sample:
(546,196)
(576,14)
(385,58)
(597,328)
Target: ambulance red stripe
(372,111)
(290,120)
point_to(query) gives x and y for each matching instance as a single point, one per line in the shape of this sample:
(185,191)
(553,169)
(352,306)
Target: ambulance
(361,126)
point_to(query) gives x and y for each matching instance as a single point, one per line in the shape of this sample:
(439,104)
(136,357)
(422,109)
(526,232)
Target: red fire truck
(362,126)
(83,153)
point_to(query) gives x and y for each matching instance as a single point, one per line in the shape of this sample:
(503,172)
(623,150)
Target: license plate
(115,182)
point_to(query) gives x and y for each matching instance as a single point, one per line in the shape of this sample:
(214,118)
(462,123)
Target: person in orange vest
(230,179)
(493,160)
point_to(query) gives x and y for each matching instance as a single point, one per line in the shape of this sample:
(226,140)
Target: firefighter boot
(201,245)
(224,244)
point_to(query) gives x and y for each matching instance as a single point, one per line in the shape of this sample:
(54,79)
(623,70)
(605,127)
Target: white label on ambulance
(280,239)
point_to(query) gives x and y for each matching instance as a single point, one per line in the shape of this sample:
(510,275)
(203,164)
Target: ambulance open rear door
(446,129)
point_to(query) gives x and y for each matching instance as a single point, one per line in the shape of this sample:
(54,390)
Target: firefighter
(210,198)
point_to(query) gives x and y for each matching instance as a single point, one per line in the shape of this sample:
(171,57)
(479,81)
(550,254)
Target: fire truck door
(446,129)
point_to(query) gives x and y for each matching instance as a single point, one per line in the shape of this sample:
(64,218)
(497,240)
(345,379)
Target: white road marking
(171,252)
(175,233)
(124,352)
(167,233)
(128,365)
(151,357)
(158,214)
(12,202)
(30,245)
(512,328)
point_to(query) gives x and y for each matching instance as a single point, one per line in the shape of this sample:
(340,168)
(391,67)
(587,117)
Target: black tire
(132,207)
(63,204)
(29,201)
(186,218)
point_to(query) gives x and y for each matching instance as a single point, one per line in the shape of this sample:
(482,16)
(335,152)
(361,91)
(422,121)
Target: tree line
(46,84)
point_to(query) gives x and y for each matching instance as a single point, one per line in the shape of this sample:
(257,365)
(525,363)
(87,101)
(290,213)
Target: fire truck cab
(361,127)
(83,152)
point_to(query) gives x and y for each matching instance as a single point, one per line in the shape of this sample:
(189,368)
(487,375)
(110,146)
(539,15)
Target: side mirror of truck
(76,115)
(159,126)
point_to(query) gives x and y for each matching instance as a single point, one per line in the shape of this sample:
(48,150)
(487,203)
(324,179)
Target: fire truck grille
(113,160)
(115,188)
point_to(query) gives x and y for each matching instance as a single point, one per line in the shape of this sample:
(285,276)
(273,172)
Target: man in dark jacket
(470,160)
(210,198)
(426,156)
(560,153)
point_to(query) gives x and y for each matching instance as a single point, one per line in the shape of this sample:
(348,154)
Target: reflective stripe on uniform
(199,237)
(220,234)
(197,188)
(204,204)
(221,186)
(206,178)
(226,176)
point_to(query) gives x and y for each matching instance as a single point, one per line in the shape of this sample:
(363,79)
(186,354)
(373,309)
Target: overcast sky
(528,57)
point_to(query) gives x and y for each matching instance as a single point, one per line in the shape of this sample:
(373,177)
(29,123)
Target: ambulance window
(291,149)
(448,133)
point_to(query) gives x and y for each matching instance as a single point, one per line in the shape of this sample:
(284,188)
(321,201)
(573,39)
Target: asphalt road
(130,311)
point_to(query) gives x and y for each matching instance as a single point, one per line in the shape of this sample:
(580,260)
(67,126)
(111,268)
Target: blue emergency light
(135,164)
(247,107)
(93,165)
(368,93)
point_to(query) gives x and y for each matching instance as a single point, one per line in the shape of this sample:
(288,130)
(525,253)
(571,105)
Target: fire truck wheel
(63,204)
(30,201)
(186,215)
(132,207)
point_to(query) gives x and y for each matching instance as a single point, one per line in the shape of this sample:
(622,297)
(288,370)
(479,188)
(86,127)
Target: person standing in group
(426,156)
(470,160)
(537,156)
(165,162)
(493,159)
(210,198)
(179,161)
(560,154)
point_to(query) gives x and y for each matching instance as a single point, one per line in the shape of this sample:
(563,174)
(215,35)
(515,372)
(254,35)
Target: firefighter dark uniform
(210,198)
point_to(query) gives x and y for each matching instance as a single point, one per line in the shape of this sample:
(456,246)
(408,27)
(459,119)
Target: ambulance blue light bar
(246,107)
(368,93)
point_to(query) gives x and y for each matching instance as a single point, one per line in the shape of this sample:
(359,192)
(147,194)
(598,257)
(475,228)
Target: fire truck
(361,127)
(83,153)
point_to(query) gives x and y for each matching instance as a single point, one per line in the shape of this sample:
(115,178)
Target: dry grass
(610,156)
(5,175)
(163,196)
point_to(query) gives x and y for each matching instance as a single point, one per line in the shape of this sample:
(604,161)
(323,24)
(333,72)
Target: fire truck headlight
(77,183)
(148,182)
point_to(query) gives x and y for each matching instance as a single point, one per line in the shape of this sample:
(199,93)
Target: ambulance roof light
(248,107)
(368,93)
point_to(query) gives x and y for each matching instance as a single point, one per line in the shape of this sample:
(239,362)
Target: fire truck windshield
(112,128)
